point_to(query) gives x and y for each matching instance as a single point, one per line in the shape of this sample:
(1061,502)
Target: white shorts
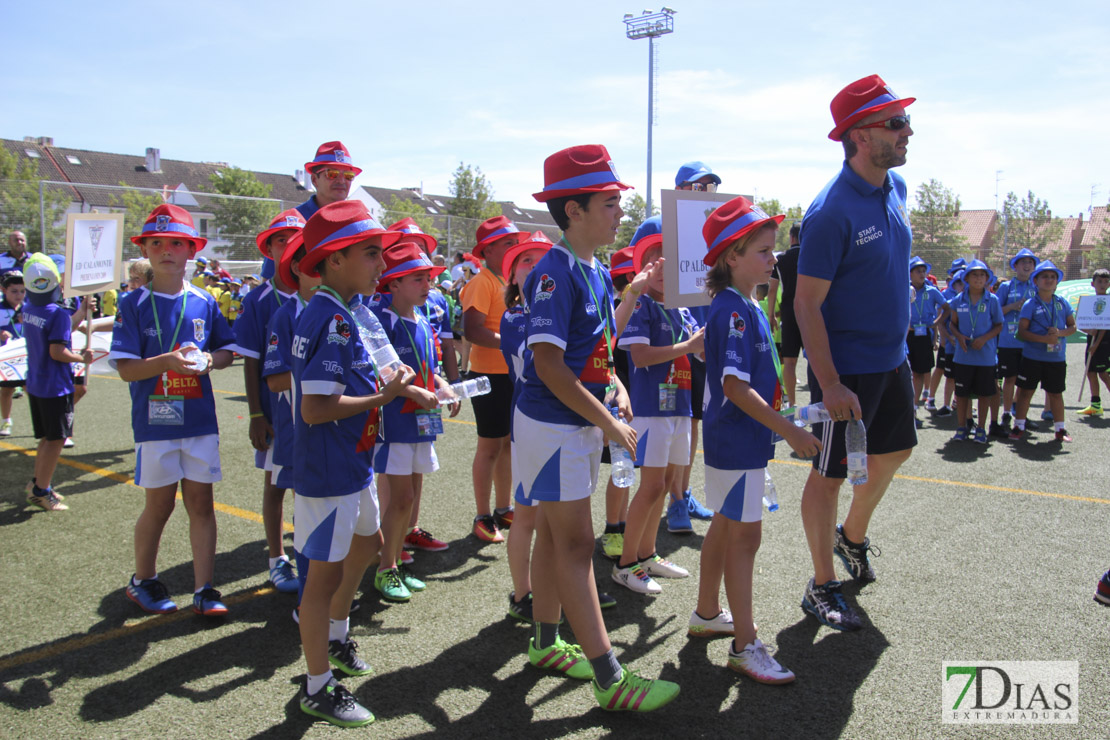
(405,458)
(162,462)
(558,462)
(735,494)
(324,526)
(518,487)
(264,459)
(662,440)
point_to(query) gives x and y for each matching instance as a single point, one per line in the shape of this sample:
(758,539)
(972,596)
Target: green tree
(20,205)
(398,208)
(794,213)
(635,213)
(1027,224)
(238,220)
(472,203)
(935,220)
(136,203)
(1100,255)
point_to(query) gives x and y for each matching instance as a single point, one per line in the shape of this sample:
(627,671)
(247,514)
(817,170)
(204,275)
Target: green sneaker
(635,694)
(390,586)
(412,583)
(612,544)
(561,657)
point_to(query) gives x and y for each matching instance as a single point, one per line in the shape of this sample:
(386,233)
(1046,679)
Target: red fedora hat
(640,248)
(285,265)
(332,154)
(410,230)
(730,222)
(291,219)
(621,262)
(579,169)
(170,220)
(535,240)
(405,258)
(860,99)
(493,229)
(337,226)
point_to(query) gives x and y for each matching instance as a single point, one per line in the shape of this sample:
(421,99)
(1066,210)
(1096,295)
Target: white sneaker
(5,429)
(660,568)
(718,625)
(635,579)
(755,662)
(68,443)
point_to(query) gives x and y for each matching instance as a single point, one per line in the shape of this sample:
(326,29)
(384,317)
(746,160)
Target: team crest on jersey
(273,340)
(636,307)
(736,325)
(376,299)
(339,330)
(198,329)
(545,288)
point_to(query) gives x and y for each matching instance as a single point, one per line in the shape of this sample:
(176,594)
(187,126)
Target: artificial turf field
(988,554)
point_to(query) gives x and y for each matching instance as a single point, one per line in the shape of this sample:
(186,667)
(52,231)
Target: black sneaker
(344,656)
(335,704)
(827,604)
(1000,430)
(944,411)
(1007,417)
(854,557)
(521,610)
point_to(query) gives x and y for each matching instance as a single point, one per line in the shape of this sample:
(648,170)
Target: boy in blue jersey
(1012,295)
(11,327)
(974,320)
(658,341)
(951,289)
(564,414)
(46,327)
(1097,355)
(405,450)
(173,411)
(1045,321)
(743,397)
(337,398)
(921,339)
(252,337)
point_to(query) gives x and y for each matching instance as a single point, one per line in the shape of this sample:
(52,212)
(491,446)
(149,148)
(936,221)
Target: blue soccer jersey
(43,326)
(329,359)
(738,342)
(403,420)
(251,334)
(278,360)
(1013,291)
(1041,316)
(435,311)
(857,236)
(563,310)
(149,324)
(514,337)
(974,320)
(662,389)
(926,305)
(11,320)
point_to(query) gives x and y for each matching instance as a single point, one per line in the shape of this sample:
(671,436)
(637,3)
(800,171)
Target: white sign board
(684,215)
(1093,313)
(94,252)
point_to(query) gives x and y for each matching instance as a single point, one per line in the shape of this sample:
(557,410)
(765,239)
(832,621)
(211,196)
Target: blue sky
(415,88)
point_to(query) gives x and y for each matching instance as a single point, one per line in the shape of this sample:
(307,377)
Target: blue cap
(918,262)
(653,225)
(1022,255)
(957,264)
(978,265)
(201,261)
(59,260)
(693,171)
(1047,266)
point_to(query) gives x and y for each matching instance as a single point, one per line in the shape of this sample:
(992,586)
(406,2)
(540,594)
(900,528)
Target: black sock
(622,527)
(607,671)
(39,491)
(546,635)
(1096,401)
(612,528)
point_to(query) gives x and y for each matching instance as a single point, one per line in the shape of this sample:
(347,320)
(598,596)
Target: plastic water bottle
(856,442)
(815,413)
(198,361)
(373,337)
(463,389)
(770,493)
(622,468)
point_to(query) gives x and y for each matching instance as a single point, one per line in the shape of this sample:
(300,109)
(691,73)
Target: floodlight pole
(649,25)
(650,116)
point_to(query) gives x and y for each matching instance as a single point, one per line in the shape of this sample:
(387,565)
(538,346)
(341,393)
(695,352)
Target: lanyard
(972,309)
(763,322)
(919,304)
(1052,320)
(604,319)
(429,347)
(675,338)
(277,293)
(158,324)
(338,297)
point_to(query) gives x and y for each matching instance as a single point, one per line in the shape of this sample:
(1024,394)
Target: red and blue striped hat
(860,99)
(332,154)
(730,222)
(170,220)
(493,229)
(410,230)
(285,265)
(291,219)
(405,258)
(337,226)
(577,170)
(535,240)
(621,262)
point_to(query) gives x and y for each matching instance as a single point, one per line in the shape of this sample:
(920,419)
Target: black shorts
(791,335)
(920,352)
(944,361)
(1100,363)
(1009,361)
(18,383)
(79,379)
(974,380)
(886,400)
(52,418)
(493,412)
(697,386)
(1052,376)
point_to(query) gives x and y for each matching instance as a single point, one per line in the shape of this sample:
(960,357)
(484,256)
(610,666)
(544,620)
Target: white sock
(7,420)
(1019,423)
(1058,425)
(137,582)
(275,561)
(338,628)
(315,683)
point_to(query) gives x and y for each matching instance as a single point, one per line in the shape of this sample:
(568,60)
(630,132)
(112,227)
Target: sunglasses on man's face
(705,187)
(894,123)
(332,174)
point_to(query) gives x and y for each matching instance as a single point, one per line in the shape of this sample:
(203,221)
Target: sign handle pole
(1087,365)
(88,345)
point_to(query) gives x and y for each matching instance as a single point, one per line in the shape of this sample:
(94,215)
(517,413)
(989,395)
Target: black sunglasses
(894,123)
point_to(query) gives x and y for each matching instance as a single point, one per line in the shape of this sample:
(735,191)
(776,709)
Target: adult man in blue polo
(852,306)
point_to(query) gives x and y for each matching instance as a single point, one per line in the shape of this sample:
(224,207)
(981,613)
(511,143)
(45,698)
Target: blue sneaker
(1046,415)
(151,596)
(206,602)
(960,435)
(697,511)
(678,518)
(283,577)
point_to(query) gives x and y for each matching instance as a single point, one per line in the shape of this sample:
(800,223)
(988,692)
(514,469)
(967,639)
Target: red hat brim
(310,166)
(197,241)
(841,128)
(514,252)
(641,248)
(285,265)
(479,249)
(260,240)
(317,255)
(430,242)
(710,258)
(545,195)
(384,281)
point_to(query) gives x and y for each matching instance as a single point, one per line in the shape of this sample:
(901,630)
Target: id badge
(165,411)
(668,397)
(920,330)
(429,422)
(1012,327)
(1055,347)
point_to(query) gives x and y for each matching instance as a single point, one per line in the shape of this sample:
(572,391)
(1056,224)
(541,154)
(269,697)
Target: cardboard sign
(94,253)
(684,214)
(1093,313)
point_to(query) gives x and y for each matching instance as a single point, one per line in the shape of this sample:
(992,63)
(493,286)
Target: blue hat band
(582,181)
(881,100)
(755,214)
(416,264)
(155,228)
(352,229)
(503,231)
(338,158)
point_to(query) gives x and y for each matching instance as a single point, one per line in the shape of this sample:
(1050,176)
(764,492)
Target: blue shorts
(557,462)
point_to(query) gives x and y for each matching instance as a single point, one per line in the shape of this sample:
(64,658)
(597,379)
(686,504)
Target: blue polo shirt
(974,320)
(653,325)
(135,336)
(11,319)
(1041,316)
(923,311)
(278,360)
(415,342)
(1012,291)
(857,236)
(42,327)
(738,342)
(329,359)
(252,336)
(562,311)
